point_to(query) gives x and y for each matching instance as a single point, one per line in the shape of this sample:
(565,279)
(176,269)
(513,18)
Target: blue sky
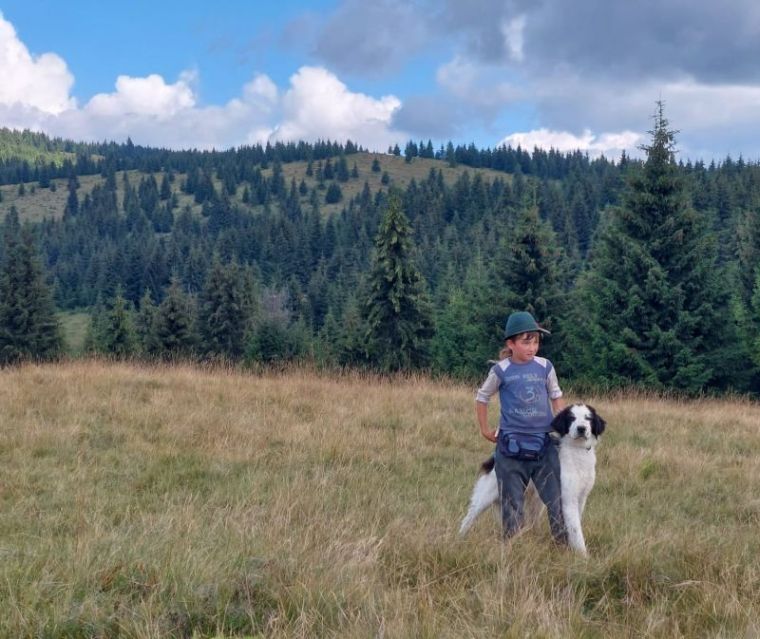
(582,74)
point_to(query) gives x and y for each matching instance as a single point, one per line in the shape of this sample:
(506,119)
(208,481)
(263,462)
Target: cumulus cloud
(608,144)
(35,94)
(149,96)
(319,105)
(40,83)
(599,66)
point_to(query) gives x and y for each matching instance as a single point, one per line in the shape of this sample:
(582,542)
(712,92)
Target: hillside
(177,501)
(293,229)
(37,203)
(33,148)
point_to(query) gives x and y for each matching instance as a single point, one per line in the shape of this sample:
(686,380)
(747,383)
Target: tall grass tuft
(143,501)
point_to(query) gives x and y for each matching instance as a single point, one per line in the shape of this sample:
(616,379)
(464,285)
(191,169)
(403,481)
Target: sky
(580,74)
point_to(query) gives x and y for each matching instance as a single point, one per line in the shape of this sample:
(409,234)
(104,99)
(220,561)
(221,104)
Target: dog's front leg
(572,514)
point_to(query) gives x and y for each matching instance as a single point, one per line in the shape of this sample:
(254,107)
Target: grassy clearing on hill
(171,501)
(42,203)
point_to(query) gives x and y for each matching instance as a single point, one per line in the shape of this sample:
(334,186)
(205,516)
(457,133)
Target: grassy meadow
(142,501)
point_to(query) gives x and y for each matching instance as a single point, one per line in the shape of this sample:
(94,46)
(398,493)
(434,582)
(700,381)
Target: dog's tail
(484,493)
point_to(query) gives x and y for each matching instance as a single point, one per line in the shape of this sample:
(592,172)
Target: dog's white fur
(579,427)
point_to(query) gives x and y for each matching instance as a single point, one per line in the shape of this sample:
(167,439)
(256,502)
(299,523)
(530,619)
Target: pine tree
(746,288)
(468,333)
(166,189)
(527,278)
(225,311)
(29,329)
(654,311)
(115,335)
(145,330)
(173,334)
(398,313)
(72,202)
(334,194)
(754,320)
(341,169)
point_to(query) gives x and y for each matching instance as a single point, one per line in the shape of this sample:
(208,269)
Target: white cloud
(35,93)
(42,82)
(608,144)
(149,96)
(319,106)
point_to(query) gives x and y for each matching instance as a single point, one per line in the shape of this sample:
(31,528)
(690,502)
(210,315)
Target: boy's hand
(489,435)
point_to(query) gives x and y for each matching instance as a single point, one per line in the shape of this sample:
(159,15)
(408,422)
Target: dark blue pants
(513,476)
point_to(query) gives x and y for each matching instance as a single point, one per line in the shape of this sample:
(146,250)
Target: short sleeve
(552,385)
(489,388)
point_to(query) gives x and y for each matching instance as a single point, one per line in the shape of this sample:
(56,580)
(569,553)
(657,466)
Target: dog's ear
(597,423)
(562,420)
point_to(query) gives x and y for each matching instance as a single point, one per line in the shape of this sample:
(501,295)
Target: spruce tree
(398,313)
(115,335)
(527,278)
(747,283)
(145,326)
(173,334)
(72,201)
(29,329)
(754,320)
(225,311)
(653,310)
(334,194)
(468,331)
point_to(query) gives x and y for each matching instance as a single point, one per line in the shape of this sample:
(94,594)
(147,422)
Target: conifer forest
(646,270)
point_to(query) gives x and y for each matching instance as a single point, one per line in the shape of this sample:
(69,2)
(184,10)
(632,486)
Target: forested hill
(290,232)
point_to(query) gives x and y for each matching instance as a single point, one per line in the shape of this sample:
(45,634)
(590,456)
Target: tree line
(646,271)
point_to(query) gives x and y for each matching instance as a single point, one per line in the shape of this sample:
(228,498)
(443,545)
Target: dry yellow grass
(147,501)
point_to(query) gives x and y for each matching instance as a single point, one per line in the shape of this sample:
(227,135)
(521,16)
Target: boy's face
(524,346)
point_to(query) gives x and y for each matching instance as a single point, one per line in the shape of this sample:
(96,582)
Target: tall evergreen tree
(527,278)
(398,312)
(29,329)
(225,311)
(467,332)
(654,312)
(174,336)
(747,284)
(72,201)
(115,333)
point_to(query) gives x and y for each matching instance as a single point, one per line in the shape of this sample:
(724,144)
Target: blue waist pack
(523,447)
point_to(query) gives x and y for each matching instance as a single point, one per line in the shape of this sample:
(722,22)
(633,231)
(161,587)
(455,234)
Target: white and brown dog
(579,427)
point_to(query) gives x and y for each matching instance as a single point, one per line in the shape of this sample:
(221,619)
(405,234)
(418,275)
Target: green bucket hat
(522,322)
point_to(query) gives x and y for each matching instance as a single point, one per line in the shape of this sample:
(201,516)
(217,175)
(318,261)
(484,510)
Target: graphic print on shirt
(529,393)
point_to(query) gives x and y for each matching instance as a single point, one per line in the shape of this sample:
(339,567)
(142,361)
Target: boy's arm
(558,405)
(485,392)
(481,411)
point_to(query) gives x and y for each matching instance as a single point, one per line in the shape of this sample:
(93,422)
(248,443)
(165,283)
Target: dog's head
(579,422)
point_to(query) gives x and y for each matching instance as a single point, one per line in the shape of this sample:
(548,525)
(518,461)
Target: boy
(528,393)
